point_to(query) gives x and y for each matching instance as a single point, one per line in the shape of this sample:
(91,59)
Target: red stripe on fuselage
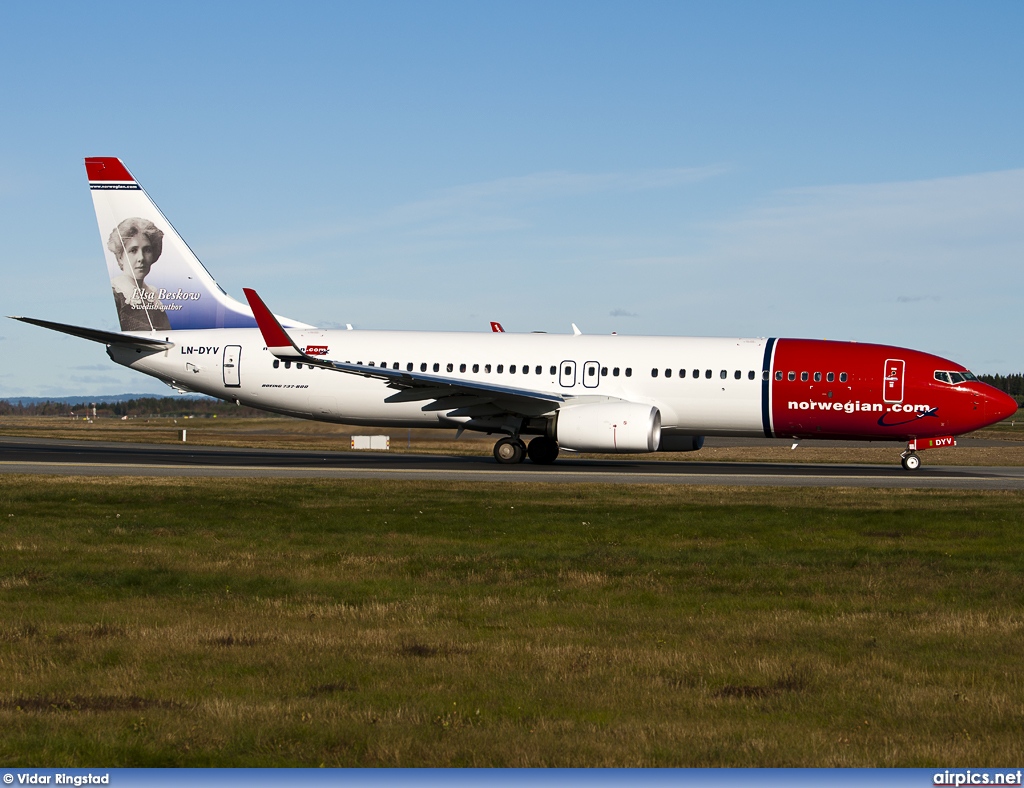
(860,405)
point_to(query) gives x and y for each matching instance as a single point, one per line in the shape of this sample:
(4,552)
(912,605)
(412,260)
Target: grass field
(207,622)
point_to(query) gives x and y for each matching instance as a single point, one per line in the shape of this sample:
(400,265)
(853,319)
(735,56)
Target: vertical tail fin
(158,282)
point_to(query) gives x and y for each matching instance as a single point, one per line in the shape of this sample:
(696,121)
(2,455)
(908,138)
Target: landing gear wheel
(509,451)
(910,462)
(543,451)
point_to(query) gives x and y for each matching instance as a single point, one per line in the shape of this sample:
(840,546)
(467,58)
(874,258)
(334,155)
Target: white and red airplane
(577,392)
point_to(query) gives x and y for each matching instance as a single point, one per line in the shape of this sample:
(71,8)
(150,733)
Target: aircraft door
(567,374)
(591,374)
(892,381)
(232,362)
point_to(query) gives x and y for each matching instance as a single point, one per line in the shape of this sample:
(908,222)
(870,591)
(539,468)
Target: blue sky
(850,171)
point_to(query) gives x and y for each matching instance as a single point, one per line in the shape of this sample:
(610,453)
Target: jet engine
(626,427)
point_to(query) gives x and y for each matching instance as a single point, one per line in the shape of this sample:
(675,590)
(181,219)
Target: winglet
(496,327)
(277,339)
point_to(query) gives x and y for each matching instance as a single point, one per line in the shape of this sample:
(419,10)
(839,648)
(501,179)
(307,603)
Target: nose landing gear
(910,461)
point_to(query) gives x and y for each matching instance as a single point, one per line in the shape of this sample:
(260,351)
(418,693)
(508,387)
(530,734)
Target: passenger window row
(805,376)
(708,374)
(525,369)
(499,369)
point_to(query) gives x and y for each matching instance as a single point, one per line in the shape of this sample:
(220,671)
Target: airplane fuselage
(793,388)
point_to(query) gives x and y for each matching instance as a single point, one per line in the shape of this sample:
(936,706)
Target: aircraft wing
(462,398)
(96,335)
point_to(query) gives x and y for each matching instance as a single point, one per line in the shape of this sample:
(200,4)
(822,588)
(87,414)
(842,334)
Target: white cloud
(93,379)
(470,209)
(935,263)
(547,185)
(927,223)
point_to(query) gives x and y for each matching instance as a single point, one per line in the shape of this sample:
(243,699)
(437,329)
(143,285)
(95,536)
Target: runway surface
(89,458)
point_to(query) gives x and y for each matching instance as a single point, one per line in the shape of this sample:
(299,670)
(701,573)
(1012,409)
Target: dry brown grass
(202,622)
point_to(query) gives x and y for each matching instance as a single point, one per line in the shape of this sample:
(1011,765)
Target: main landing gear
(509,451)
(542,450)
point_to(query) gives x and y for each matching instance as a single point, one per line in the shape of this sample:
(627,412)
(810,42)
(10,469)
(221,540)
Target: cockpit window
(954,377)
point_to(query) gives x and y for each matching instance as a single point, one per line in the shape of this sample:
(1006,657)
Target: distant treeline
(1011,384)
(133,408)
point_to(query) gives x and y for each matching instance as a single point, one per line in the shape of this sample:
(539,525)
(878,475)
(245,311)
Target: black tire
(543,451)
(509,451)
(911,462)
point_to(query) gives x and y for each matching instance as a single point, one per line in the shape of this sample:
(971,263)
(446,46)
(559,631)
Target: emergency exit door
(232,361)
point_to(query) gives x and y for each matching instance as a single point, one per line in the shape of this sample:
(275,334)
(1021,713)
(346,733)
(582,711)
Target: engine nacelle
(681,443)
(625,427)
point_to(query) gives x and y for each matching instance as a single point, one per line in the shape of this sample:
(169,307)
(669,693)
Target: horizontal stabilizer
(96,335)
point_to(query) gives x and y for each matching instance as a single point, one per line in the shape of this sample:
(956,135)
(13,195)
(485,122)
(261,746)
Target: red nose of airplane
(1000,406)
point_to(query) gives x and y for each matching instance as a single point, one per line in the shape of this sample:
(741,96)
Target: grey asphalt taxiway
(94,458)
